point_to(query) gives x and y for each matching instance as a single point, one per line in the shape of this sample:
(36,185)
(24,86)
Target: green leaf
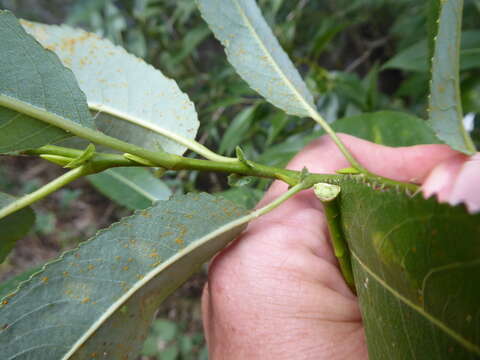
(101,298)
(33,80)
(135,188)
(13,227)
(416,57)
(256,54)
(132,100)
(416,274)
(470,59)
(237,129)
(445,107)
(391,128)
(413,58)
(243,196)
(193,38)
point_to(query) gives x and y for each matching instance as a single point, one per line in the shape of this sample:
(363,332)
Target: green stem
(279,200)
(51,187)
(99,161)
(341,146)
(175,162)
(291,177)
(328,194)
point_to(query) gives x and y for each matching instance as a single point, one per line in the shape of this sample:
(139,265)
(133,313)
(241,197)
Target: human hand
(277,292)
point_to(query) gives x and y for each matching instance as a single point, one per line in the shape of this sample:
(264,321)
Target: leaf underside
(135,188)
(97,301)
(416,264)
(256,55)
(127,94)
(34,78)
(445,108)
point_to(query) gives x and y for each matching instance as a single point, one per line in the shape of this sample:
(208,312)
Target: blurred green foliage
(169,340)
(340,46)
(357,56)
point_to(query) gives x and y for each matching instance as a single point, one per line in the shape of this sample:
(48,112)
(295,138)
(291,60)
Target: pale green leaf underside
(445,109)
(135,188)
(256,54)
(416,274)
(34,79)
(133,101)
(100,298)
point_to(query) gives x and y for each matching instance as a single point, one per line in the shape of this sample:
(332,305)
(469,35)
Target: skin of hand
(277,292)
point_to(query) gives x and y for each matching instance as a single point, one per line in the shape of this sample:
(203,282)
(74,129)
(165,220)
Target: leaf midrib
(149,276)
(292,87)
(442,326)
(130,183)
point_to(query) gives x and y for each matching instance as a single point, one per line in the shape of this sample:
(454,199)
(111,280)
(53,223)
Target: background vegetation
(356,56)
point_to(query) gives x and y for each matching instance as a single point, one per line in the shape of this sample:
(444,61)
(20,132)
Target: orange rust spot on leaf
(145,213)
(44,279)
(85,300)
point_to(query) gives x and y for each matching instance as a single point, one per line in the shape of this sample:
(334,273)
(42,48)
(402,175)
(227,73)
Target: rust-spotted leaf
(101,297)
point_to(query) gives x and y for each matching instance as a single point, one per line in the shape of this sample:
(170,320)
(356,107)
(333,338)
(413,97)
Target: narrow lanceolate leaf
(135,188)
(256,54)
(132,100)
(98,301)
(445,108)
(416,265)
(14,226)
(33,80)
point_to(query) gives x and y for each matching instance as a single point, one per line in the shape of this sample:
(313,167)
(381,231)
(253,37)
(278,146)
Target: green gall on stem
(326,192)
